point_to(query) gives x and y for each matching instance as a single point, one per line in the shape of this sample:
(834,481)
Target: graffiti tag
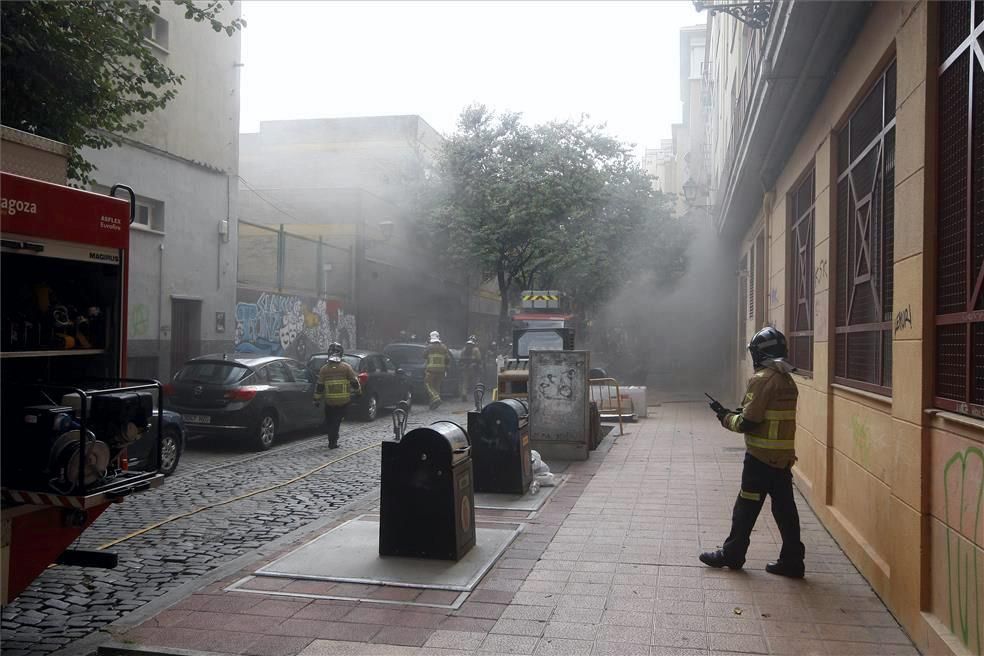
(820,273)
(903,319)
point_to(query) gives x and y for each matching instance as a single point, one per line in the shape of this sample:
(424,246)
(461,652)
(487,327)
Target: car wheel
(371,411)
(266,431)
(170,451)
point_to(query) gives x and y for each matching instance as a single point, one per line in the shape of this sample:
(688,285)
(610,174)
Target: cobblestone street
(67,603)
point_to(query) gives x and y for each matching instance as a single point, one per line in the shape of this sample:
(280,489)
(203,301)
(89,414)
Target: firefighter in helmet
(337,383)
(437,358)
(471,365)
(768,420)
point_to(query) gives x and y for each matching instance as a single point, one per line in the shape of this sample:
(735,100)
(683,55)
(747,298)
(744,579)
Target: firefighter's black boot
(784,568)
(718,559)
(332,444)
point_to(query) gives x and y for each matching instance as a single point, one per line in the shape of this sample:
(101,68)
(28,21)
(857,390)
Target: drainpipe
(160,300)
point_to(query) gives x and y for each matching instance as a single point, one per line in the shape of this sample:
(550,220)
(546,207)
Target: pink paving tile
(310,587)
(228,642)
(490,596)
(481,610)
(277,646)
(266,583)
(324,612)
(679,638)
(439,597)
(169,617)
(349,631)
(231,622)
(403,635)
(390,593)
(230,603)
(277,607)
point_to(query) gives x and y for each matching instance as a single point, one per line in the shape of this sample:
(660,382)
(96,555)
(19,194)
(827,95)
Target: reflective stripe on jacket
(768,417)
(334,382)
(437,357)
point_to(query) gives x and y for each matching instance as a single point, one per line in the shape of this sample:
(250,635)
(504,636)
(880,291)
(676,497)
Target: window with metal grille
(799,273)
(959,375)
(865,239)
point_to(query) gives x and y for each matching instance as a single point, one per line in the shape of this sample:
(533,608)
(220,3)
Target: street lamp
(690,190)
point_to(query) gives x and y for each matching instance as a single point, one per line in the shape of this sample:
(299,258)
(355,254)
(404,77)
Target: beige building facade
(847,170)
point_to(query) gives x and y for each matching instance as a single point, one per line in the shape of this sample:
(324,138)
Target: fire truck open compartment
(59,370)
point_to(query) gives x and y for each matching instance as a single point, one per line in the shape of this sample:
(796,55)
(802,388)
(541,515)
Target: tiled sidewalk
(608,566)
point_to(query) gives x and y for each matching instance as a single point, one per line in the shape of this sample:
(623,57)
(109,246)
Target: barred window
(799,278)
(865,238)
(959,375)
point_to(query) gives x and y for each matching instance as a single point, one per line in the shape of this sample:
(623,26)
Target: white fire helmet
(435,337)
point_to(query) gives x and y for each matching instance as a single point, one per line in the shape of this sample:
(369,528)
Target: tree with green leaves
(81,71)
(560,205)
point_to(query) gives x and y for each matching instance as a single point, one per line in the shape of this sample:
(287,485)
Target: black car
(244,394)
(384,384)
(141,455)
(410,358)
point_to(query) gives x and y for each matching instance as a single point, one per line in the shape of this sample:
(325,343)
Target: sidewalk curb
(92,643)
(123,649)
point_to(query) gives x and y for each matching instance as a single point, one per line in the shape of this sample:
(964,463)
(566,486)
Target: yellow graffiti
(862,441)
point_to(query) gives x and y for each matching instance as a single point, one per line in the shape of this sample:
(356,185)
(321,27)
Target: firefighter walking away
(768,420)
(337,383)
(471,366)
(437,357)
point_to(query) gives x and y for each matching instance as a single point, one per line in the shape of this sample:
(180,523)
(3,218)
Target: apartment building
(182,166)
(847,174)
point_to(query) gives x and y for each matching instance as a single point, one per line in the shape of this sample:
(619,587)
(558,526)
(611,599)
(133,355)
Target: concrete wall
(340,179)
(899,486)
(185,161)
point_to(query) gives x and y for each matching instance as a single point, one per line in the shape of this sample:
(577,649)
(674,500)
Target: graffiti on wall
(285,324)
(862,442)
(903,318)
(963,487)
(138,323)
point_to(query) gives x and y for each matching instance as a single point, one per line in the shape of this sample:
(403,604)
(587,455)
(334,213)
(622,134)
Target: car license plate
(197,419)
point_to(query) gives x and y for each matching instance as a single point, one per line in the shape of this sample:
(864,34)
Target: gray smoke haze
(677,339)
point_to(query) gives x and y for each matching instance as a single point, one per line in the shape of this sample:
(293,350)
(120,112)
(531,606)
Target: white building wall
(184,164)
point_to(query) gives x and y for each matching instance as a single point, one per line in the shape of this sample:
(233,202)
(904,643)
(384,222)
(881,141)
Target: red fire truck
(67,411)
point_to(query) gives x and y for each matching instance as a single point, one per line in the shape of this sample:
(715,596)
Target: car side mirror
(400,372)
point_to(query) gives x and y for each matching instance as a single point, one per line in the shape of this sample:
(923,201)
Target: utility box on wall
(558,393)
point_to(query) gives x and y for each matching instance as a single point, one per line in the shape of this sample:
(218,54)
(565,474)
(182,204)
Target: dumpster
(427,505)
(500,437)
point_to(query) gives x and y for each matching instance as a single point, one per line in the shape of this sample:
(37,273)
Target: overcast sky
(616,61)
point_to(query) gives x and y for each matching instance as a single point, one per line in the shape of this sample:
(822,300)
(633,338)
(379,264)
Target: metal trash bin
(500,438)
(427,504)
